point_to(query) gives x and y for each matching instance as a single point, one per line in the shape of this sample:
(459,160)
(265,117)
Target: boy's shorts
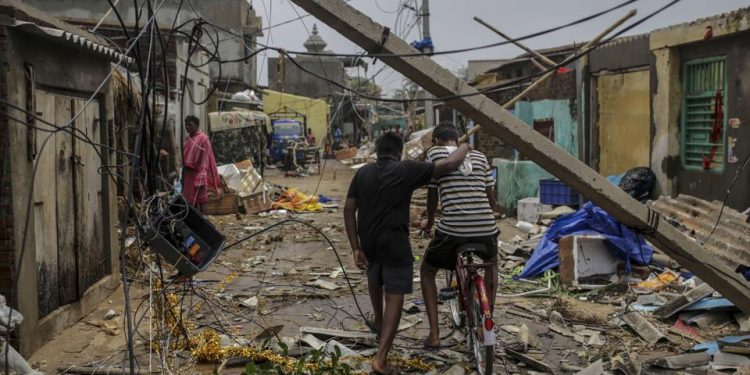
(441,252)
(393,279)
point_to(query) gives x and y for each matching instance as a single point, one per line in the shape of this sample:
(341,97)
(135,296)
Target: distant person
(199,173)
(468,199)
(376,216)
(310,137)
(337,136)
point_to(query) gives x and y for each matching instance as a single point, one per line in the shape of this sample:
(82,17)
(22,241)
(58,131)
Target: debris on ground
(577,293)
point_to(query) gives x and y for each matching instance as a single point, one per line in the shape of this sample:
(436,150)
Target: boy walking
(376,216)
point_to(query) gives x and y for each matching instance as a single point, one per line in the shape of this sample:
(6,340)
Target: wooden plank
(45,218)
(539,365)
(371,36)
(682,361)
(325,332)
(91,259)
(677,304)
(541,57)
(66,218)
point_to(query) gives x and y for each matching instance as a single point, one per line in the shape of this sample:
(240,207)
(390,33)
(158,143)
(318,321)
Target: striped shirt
(466,208)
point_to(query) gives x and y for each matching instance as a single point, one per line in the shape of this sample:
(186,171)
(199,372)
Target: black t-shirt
(383,192)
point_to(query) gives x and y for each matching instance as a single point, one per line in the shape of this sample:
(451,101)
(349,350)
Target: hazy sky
(453,27)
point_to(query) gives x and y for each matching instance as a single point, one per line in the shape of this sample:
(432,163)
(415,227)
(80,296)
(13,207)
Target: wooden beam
(538,55)
(362,30)
(591,44)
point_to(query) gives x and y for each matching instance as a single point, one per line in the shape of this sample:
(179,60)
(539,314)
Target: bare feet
(431,342)
(382,368)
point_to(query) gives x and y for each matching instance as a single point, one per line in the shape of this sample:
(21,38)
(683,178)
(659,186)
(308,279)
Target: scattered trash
(524,337)
(529,209)
(643,327)
(345,351)
(680,303)
(111,314)
(657,283)
(712,347)
(556,213)
(323,284)
(524,226)
(682,361)
(408,322)
(539,365)
(251,302)
(596,368)
(729,361)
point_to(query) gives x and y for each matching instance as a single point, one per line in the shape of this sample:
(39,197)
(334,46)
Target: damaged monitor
(181,235)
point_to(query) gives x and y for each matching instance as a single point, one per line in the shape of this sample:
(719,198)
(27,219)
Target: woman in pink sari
(199,172)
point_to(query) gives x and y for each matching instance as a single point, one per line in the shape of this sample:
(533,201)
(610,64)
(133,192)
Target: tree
(365,85)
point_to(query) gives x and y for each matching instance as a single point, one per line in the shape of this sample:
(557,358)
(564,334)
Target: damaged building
(58,208)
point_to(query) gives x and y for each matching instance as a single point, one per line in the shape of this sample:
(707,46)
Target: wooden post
(538,55)
(591,44)
(363,31)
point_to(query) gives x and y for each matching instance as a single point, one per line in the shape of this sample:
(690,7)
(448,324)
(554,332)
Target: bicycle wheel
(484,355)
(453,301)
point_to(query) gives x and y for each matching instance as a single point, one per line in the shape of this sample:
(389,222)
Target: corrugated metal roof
(624,39)
(67,36)
(695,217)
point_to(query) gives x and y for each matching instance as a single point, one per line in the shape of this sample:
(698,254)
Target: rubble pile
(603,313)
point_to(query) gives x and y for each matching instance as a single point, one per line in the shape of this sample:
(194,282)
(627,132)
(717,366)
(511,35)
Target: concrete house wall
(298,82)
(58,225)
(619,114)
(673,46)
(240,18)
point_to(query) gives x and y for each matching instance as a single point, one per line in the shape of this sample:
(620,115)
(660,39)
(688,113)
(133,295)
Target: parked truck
(239,131)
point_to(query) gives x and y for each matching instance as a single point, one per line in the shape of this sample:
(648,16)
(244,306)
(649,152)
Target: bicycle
(469,305)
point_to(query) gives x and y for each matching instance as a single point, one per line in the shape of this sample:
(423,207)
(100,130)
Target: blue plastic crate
(556,192)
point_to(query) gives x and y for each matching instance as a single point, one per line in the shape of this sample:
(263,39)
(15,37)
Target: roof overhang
(63,36)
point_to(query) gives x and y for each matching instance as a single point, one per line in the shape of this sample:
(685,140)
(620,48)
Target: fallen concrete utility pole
(375,39)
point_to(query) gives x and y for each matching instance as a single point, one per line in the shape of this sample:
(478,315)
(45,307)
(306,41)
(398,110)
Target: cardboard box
(228,204)
(529,209)
(256,202)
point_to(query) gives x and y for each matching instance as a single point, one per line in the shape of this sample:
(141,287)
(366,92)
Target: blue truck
(285,132)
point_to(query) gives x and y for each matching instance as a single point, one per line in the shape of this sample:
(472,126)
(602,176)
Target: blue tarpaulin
(589,220)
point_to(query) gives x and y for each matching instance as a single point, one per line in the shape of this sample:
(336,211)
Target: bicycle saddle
(471,248)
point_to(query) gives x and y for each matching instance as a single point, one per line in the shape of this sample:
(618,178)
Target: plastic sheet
(589,220)
(294,200)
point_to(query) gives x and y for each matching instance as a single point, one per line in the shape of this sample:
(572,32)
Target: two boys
(376,215)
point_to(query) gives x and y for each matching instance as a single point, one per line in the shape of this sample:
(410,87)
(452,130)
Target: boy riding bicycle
(467,197)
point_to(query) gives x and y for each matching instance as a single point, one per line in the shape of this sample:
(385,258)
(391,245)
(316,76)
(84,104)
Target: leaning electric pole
(429,111)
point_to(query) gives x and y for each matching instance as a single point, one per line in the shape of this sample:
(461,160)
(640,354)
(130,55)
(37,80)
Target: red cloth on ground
(200,170)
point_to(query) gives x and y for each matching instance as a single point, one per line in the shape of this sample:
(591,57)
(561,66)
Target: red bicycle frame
(468,271)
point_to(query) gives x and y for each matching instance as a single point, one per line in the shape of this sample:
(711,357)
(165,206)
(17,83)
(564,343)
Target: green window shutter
(704,90)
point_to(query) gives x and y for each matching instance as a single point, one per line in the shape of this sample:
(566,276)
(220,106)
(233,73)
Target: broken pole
(590,45)
(375,39)
(518,44)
